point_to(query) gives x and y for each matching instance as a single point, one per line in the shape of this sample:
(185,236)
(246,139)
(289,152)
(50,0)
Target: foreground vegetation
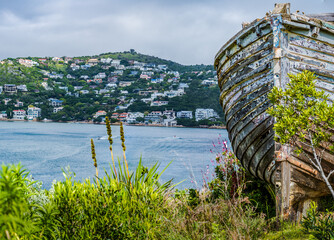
(135,205)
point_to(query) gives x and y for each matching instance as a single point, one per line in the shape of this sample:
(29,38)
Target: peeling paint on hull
(248,66)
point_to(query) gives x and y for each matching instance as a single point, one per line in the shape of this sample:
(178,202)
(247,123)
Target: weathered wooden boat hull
(257,58)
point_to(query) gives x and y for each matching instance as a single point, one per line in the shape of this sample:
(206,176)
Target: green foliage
(25,212)
(304,119)
(14,205)
(301,111)
(288,231)
(193,217)
(111,208)
(320,225)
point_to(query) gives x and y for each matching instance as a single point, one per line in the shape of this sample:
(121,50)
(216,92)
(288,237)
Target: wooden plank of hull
(257,117)
(256,104)
(244,88)
(267,136)
(309,43)
(263,43)
(250,68)
(250,137)
(328,17)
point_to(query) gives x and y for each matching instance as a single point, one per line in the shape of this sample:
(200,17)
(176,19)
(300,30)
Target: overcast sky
(185,31)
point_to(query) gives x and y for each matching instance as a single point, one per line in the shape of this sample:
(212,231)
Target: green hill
(108,82)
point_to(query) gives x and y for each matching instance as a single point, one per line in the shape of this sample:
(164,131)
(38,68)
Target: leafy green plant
(25,212)
(304,119)
(320,225)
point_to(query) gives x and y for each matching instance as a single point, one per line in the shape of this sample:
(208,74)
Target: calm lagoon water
(45,148)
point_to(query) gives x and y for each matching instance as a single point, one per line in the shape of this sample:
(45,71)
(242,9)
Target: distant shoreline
(117,123)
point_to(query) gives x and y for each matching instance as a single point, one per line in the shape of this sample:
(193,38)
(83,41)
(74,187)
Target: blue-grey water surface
(45,148)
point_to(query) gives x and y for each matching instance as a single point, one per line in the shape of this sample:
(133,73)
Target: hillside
(76,88)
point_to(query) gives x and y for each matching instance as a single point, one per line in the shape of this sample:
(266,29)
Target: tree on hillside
(305,120)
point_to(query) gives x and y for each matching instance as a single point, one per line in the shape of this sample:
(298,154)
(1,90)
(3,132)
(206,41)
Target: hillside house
(10,88)
(146,100)
(68,59)
(33,112)
(132,116)
(74,67)
(111,85)
(92,62)
(76,88)
(100,75)
(19,114)
(100,113)
(125,83)
(158,103)
(55,102)
(84,91)
(202,113)
(209,82)
(157,80)
(18,104)
(57,59)
(22,88)
(85,67)
(184,114)
(169,113)
(154,117)
(169,122)
(144,76)
(106,60)
(27,62)
(69,76)
(115,115)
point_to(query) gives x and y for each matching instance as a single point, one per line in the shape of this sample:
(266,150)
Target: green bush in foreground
(110,208)
(320,225)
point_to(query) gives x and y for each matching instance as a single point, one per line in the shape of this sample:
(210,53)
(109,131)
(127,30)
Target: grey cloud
(188,32)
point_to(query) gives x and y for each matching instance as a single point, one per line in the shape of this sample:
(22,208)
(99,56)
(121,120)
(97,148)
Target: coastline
(117,123)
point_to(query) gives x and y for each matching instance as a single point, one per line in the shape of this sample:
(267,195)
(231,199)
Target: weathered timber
(257,58)
(328,17)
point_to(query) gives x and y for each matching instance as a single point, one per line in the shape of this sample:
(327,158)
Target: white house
(33,112)
(184,114)
(19,114)
(158,103)
(132,116)
(202,113)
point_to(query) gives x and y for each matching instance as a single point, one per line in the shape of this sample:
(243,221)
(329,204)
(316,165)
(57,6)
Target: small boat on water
(248,66)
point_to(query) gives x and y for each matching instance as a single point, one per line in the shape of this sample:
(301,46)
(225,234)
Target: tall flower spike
(124,148)
(110,145)
(94,157)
